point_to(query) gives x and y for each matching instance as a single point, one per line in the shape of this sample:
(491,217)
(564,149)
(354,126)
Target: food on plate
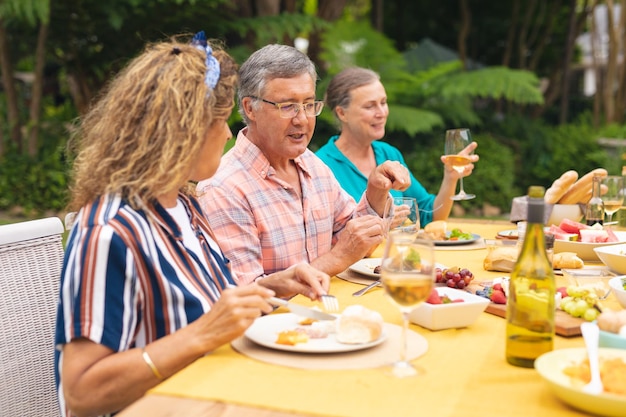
(454,277)
(458,234)
(613,321)
(567,260)
(580,302)
(435,298)
(560,186)
(377,269)
(612,373)
(496,293)
(307,321)
(580,191)
(575,231)
(358,324)
(501,258)
(292,337)
(436,230)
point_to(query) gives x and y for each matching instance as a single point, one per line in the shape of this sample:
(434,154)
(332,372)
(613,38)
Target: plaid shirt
(260,222)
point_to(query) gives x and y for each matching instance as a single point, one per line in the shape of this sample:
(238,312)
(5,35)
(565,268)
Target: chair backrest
(31,258)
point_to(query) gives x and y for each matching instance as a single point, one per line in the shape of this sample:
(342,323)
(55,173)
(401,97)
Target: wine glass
(404,218)
(613,198)
(456,141)
(408,274)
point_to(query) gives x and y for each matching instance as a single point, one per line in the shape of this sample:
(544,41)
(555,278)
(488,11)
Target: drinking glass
(404,219)
(456,141)
(613,198)
(408,274)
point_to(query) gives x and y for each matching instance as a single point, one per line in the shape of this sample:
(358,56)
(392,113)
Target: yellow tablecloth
(466,372)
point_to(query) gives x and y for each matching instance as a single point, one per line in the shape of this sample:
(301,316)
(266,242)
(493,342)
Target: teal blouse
(355,183)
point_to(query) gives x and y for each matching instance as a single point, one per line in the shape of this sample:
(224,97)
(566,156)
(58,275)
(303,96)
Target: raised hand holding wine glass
(613,198)
(456,141)
(408,275)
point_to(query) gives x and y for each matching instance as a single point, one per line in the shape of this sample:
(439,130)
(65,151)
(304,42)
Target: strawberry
(497,287)
(563,291)
(498,297)
(434,297)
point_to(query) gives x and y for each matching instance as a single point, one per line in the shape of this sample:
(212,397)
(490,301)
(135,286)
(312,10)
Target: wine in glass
(613,198)
(456,141)
(408,274)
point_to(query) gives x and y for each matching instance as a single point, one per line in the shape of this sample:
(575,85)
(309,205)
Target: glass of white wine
(408,274)
(456,141)
(613,198)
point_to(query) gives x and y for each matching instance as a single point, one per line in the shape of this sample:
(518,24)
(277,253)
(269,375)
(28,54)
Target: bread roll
(580,188)
(358,324)
(501,258)
(436,230)
(566,260)
(560,186)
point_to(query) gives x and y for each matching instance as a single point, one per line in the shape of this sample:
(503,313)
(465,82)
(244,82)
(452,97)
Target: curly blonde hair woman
(145,287)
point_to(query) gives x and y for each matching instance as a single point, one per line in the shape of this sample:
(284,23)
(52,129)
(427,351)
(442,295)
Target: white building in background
(601,39)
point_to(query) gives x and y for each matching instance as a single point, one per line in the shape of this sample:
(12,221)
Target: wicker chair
(31,257)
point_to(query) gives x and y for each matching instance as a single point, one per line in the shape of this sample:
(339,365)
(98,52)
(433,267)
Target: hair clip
(175,51)
(212,65)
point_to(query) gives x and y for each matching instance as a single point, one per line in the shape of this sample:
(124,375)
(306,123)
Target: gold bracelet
(150,364)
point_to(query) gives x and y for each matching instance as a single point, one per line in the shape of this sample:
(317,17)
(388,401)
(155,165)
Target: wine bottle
(595,207)
(530,304)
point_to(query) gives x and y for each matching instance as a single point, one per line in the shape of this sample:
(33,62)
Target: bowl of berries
(448,308)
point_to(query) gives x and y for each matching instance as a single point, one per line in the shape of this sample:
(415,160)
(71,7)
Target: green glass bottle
(530,304)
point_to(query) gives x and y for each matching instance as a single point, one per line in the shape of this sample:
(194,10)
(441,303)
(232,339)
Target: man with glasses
(273,203)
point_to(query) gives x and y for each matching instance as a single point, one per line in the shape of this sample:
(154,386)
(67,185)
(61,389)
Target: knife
(301,310)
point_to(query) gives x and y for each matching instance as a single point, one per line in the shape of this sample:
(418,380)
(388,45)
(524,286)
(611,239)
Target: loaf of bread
(358,324)
(581,188)
(560,186)
(567,260)
(436,230)
(501,258)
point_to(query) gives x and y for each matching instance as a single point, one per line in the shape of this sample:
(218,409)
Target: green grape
(591,314)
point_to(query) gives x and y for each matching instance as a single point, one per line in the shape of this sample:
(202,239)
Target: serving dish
(551,365)
(264,331)
(451,315)
(617,288)
(613,256)
(584,250)
(612,340)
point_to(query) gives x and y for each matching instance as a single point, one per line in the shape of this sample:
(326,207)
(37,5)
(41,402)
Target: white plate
(474,238)
(366,267)
(264,331)
(550,366)
(585,251)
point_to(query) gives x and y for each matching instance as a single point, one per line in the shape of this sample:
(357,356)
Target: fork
(331,304)
(590,333)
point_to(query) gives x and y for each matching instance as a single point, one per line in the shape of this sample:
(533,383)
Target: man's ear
(247,103)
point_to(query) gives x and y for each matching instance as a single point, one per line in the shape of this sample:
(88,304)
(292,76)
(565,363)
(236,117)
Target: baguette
(560,186)
(587,196)
(567,260)
(580,188)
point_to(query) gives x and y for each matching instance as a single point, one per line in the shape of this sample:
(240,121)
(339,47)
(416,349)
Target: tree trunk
(547,34)
(620,100)
(378,15)
(510,38)
(329,10)
(13,114)
(522,49)
(567,62)
(611,65)
(267,7)
(466,22)
(37,91)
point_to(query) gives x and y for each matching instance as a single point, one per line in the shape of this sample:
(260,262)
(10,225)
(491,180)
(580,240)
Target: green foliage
(35,184)
(272,29)
(29,11)
(412,120)
(516,86)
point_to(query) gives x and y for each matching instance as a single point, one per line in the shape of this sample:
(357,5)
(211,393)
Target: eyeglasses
(291,110)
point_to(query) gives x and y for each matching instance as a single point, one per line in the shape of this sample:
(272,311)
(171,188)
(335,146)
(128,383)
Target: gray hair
(342,84)
(270,62)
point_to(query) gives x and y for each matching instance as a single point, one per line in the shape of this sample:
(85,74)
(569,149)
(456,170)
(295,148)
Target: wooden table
(466,372)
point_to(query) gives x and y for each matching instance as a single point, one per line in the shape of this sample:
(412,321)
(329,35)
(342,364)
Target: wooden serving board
(565,324)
